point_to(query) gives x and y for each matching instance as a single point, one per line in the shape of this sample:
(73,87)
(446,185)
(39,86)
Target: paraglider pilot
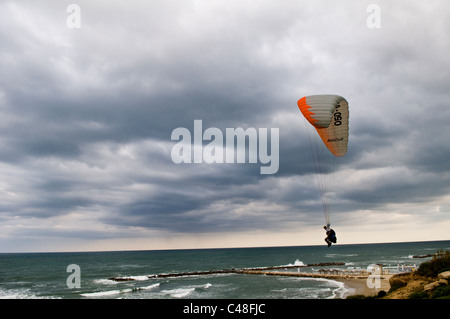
(331,235)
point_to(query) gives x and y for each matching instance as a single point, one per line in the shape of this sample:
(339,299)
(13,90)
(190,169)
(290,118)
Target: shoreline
(354,285)
(358,286)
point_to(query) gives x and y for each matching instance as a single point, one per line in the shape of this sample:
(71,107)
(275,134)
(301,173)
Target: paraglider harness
(331,236)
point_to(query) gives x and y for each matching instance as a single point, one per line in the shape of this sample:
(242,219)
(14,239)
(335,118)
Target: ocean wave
(327,289)
(139,278)
(20,294)
(15,294)
(340,291)
(179,292)
(149,287)
(203,286)
(185,291)
(105,282)
(131,278)
(307,293)
(117,291)
(297,262)
(105,293)
(337,288)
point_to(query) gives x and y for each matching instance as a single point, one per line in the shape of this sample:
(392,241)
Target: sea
(89,275)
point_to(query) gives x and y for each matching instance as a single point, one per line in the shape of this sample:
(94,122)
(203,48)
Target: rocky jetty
(255,270)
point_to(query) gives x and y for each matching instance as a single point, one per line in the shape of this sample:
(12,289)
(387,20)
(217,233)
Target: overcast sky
(86,117)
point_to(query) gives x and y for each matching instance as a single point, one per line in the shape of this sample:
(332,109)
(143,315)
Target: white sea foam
(149,287)
(337,288)
(139,278)
(135,278)
(179,292)
(105,282)
(340,291)
(16,294)
(118,291)
(103,293)
(298,263)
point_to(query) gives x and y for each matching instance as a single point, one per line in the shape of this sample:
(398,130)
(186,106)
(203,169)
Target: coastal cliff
(429,281)
(416,286)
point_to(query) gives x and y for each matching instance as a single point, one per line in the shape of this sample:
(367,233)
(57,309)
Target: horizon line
(214,248)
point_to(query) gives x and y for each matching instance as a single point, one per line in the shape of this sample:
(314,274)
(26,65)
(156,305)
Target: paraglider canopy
(329,115)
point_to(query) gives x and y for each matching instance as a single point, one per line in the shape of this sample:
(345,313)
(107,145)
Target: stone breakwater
(303,274)
(253,271)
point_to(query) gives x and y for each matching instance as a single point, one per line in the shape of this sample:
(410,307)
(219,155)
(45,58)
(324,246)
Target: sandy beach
(355,285)
(358,286)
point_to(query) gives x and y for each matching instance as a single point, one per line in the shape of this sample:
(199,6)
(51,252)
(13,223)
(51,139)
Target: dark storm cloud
(87,113)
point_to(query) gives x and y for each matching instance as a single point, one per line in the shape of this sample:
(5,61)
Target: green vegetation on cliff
(430,281)
(439,263)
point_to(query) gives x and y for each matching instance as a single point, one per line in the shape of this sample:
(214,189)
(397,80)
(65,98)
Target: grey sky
(86,117)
